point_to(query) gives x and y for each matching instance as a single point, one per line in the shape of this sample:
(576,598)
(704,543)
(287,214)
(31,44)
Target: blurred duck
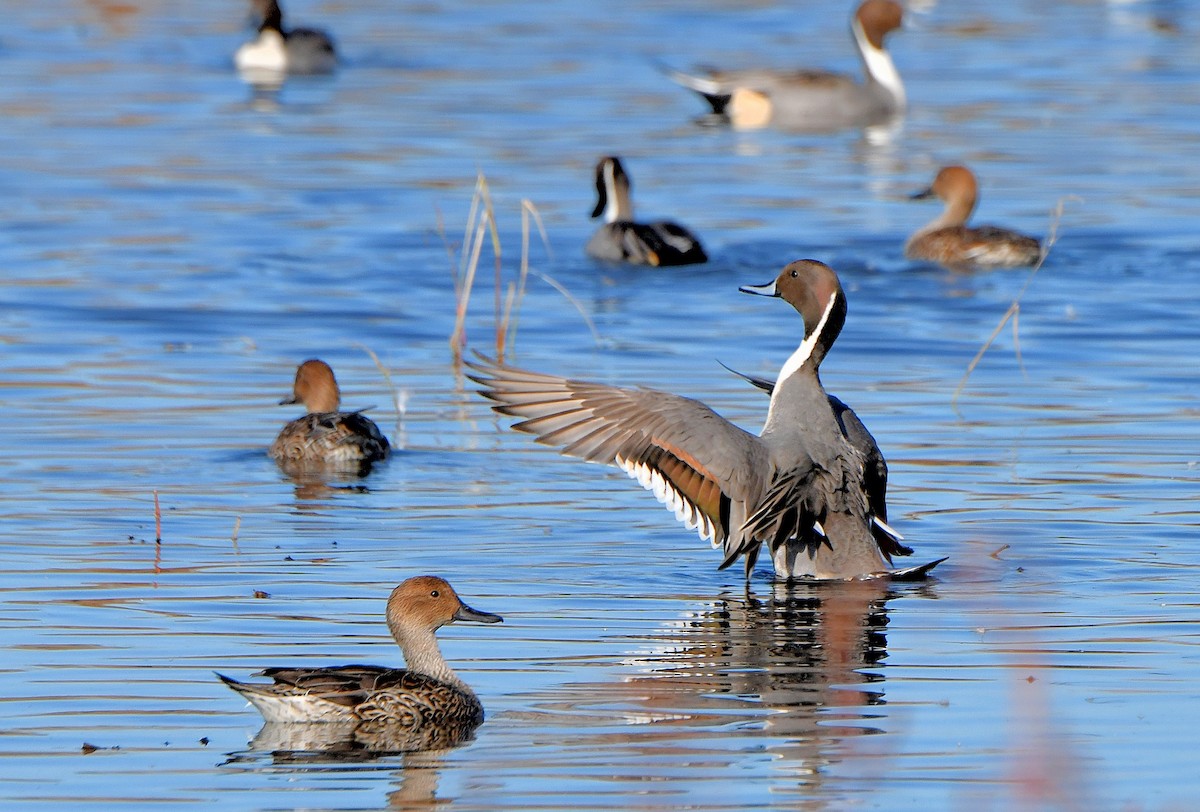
(427,696)
(949,241)
(814,100)
(809,486)
(621,239)
(278,50)
(326,437)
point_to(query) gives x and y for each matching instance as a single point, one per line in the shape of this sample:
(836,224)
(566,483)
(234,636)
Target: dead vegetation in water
(1014,310)
(481,230)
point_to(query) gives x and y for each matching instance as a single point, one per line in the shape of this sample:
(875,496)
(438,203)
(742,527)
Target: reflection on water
(798,668)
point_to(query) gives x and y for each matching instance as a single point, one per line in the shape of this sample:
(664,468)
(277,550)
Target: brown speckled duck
(326,438)
(949,241)
(808,487)
(427,697)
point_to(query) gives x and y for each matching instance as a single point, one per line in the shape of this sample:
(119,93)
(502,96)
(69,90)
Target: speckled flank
(427,701)
(949,241)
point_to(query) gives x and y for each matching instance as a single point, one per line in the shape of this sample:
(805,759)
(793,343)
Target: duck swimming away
(326,438)
(621,239)
(814,100)
(949,241)
(280,51)
(811,486)
(426,697)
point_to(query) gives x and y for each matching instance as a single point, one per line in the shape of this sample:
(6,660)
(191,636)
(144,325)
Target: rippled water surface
(173,244)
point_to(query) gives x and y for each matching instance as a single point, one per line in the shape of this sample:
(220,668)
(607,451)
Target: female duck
(814,100)
(427,696)
(326,437)
(621,239)
(949,241)
(278,50)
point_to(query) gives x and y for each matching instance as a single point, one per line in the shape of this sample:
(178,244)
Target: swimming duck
(814,100)
(326,437)
(621,239)
(949,241)
(276,49)
(427,695)
(804,486)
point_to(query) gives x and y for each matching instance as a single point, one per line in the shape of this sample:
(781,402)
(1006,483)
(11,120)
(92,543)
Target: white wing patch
(652,480)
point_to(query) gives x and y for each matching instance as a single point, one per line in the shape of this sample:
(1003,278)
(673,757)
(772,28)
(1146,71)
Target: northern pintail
(949,241)
(621,239)
(326,437)
(425,695)
(814,100)
(809,486)
(278,50)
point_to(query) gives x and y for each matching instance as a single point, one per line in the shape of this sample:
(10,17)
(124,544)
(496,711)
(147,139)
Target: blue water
(173,244)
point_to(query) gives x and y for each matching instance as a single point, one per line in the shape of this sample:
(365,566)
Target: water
(173,246)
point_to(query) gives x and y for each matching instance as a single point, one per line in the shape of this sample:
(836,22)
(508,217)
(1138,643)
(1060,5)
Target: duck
(326,437)
(807,486)
(427,696)
(621,239)
(278,50)
(949,241)
(814,100)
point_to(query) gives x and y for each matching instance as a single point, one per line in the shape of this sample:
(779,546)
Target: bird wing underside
(693,460)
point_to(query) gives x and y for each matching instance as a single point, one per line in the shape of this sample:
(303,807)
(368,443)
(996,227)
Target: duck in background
(814,100)
(423,706)
(621,239)
(949,241)
(326,439)
(806,486)
(279,51)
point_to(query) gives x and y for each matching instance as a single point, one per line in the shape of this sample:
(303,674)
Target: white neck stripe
(611,204)
(800,357)
(880,66)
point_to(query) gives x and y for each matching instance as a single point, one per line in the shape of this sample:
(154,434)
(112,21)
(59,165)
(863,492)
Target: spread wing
(696,462)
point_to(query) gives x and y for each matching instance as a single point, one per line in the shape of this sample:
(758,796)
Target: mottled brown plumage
(326,438)
(949,241)
(426,697)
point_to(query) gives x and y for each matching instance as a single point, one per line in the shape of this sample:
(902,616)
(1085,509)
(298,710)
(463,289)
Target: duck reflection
(362,741)
(333,747)
(795,672)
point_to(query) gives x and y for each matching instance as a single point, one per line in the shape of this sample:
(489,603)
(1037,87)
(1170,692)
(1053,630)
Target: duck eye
(433,594)
(795,274)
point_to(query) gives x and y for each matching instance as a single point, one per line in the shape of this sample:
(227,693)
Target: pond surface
(173,244)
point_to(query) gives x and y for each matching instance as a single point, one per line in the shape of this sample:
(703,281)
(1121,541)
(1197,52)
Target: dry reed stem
(157,520)
(506,329)
(480,221)
(397,396)
(237,524)
(1014,309)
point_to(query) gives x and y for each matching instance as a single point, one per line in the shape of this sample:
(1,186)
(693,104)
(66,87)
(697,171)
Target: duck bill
(924,194)
(288,401)
(466,614)
(769,289)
